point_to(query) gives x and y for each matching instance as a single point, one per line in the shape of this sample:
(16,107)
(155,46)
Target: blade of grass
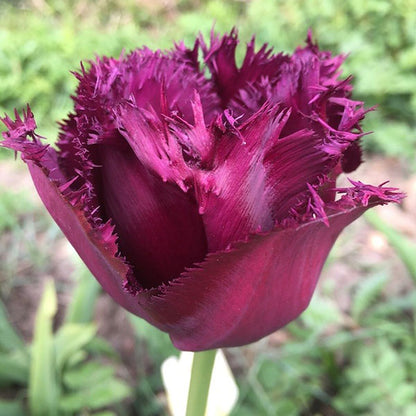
(43,388)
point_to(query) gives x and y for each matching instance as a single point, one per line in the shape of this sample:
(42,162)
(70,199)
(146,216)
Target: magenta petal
(239,296)
(165,83)
(258,66)
(156,150)
(237,203)
(292,163)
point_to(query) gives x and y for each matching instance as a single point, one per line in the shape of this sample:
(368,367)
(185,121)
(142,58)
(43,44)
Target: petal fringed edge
(243,294)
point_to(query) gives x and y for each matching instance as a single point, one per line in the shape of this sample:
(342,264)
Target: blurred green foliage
(378,35)
(12,206)
(65,373)
(365,369)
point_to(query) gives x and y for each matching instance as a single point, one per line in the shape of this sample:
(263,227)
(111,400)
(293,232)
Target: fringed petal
(154,147)
(220,58)
(15,137)
(365,195)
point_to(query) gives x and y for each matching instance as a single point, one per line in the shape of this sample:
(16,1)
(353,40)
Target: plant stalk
(202,365)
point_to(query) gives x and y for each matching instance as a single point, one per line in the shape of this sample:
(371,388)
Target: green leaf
(9,340)
(87,374)
(96,396)
(321,313)
(14,368)
(394,306)
(410,410)
(11,408)
(43,388)
(377,381)
(81,308)
(159,344)
(367,291)
(99,346)
(404,247)
(70,339)
(77,358)
(12,204)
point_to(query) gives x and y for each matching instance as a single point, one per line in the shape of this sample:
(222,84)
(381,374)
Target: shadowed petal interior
(159,228)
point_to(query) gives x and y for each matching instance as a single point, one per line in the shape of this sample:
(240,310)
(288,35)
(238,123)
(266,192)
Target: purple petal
(220,58)
(239,296)
(160,231)
(16,136)
(292,163)
(233,297)
(166,83)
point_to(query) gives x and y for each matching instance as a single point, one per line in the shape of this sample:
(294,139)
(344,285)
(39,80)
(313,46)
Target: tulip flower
(201,194)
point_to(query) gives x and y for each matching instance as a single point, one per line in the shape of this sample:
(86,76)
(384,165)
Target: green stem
(200,379)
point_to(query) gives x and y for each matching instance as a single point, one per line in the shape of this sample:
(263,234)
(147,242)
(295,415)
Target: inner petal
(159,228)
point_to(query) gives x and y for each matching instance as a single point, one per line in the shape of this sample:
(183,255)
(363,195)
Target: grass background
(352,353)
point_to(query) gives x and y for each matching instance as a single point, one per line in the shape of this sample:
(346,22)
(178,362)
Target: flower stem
(202,365)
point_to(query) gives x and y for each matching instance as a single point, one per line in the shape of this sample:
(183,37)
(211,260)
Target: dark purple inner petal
(351,158)
(159,228)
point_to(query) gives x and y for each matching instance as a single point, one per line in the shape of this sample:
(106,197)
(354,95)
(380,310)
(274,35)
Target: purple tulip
(202,195)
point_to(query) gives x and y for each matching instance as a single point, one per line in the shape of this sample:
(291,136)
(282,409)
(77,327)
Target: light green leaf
(410,410)
(70,339)
(77,358)
(87,374)
(321,313)
(9,340)
(367,291)
(100,346)
(98,395)
(14,368)
(405,248)
(11,408)
(43,388)
(81,308)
